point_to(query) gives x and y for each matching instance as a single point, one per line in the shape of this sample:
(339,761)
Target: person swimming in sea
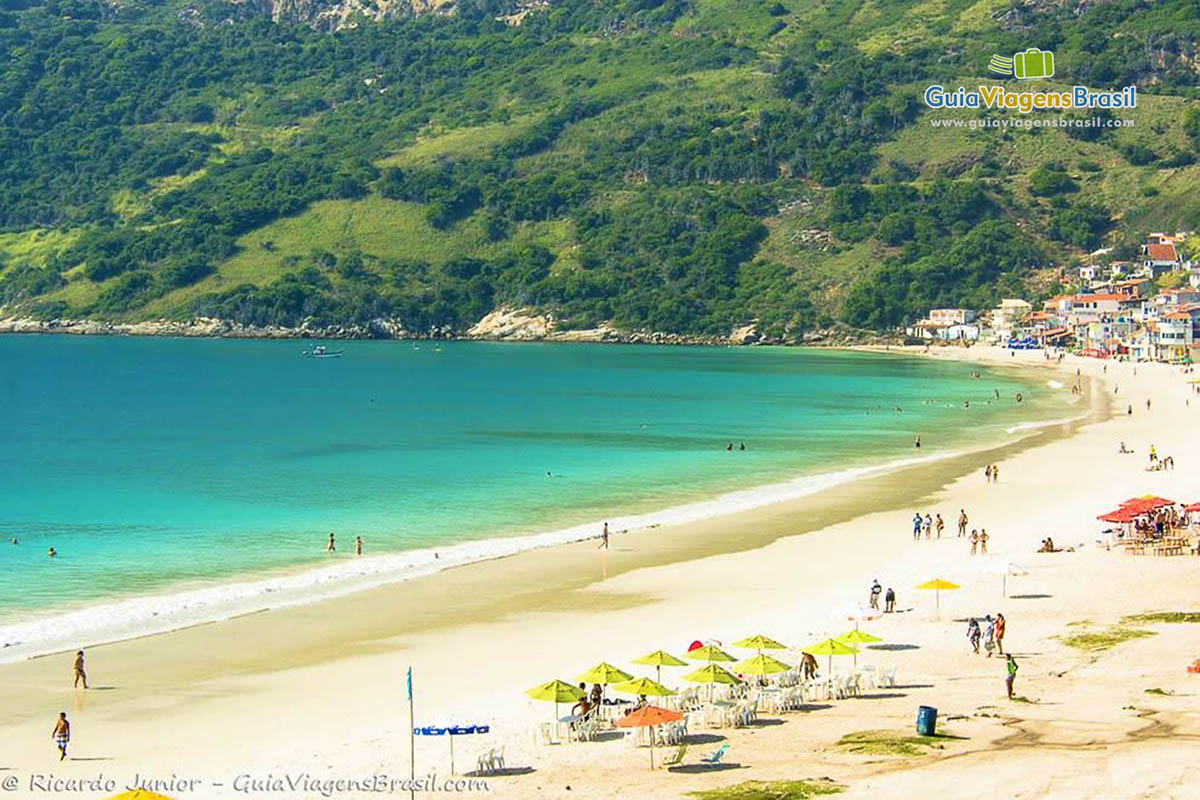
(52,552)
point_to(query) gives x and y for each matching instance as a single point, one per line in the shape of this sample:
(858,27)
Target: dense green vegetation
(687,166)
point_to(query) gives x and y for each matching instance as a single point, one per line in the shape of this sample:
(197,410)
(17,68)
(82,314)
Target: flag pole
(412,742)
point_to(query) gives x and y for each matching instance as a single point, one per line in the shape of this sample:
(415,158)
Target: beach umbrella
(855,613)
(712,673)
(857,637)
(759,642)
(604,673)
(710,653)
(139,794)
(644,686)
(649,716)
(761,665)
(831,648)
(1192,508)
(556,692)
(1004,569)
(937,585)
(659,659)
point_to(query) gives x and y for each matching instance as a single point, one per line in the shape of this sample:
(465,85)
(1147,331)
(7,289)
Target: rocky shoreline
(500,326)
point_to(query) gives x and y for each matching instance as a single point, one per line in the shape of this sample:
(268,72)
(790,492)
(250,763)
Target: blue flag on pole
(410,683)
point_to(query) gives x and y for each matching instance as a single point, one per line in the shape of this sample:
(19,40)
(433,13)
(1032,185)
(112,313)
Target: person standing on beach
(916,526)
(80,672)
(603,538)
(973,634)
(974,540)
(983,537)
(331,547)
(1012,675)
(995,474)
(1000,632)
(987,473)
(889,601)
(928,525)
(941,525)
(989,634)
(61,734)
(876,590)
(962,522)
(358,545)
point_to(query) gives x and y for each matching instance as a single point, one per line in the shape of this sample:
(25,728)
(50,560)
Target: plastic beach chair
(715,758)
(675,759)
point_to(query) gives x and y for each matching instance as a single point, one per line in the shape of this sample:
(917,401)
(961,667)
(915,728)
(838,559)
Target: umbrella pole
(651,747)
(1004,583)
(451,754)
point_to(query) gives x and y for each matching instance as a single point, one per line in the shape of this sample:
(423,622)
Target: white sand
(320,690)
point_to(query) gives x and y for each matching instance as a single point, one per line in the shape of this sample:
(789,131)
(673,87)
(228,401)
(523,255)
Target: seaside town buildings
(1144,310)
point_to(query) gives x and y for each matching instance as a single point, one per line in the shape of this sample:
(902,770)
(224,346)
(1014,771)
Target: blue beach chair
(715,758)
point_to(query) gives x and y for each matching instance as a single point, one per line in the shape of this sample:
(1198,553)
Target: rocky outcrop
(511,324)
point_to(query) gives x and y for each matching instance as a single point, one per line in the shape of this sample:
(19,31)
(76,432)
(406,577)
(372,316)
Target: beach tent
(659,659)
(647,717)
(937,585)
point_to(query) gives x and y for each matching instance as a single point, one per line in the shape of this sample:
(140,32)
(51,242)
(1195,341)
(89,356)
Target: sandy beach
(315,694)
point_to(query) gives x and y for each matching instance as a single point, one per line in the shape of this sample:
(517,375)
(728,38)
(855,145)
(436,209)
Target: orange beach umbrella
(647,717)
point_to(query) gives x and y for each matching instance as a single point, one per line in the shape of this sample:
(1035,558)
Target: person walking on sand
(974,540)
(61,734)
(889,601)
(995,474)
(80,672)
(941,525)
(1012,675)
(983,537)
(973,634)
(603,538)
(358,545)
(916,526)
(962,522)
(989,634)
(876,590)
(332,546)
(987,473)
(1000,632)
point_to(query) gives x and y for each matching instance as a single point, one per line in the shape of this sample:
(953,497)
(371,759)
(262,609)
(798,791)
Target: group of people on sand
(990,631)
(1156,463)
(331,546)
(991,473)
(889,598)
(979,540)
(61,734)
(927,525)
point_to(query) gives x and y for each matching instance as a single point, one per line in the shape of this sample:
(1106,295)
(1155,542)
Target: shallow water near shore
(156,464)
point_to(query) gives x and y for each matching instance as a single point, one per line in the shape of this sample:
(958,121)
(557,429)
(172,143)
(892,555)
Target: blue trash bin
(926,720)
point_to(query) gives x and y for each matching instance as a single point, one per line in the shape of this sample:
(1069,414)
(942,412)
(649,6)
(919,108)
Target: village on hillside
(1143,310)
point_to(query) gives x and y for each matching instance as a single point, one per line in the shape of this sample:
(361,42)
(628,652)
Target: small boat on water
(320,352)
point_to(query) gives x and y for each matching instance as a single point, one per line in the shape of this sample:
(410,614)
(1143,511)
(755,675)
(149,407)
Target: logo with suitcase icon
(1033,63)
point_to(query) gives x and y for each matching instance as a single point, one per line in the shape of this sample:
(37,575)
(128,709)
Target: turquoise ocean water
(154,463)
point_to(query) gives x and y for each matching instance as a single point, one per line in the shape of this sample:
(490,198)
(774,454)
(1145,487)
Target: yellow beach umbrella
(831,648)
(139,794)
(937,585)
(761,665)
(857,637)
(759,642)
(712,673)
(659,659)
(556,692)
(710,653)
(604,673)
(644,686)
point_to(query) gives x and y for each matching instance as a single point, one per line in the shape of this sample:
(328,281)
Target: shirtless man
(62,734)
(962,522)
(80,673)
(331,547)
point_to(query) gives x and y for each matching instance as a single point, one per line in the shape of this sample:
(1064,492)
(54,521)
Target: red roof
(1161,252)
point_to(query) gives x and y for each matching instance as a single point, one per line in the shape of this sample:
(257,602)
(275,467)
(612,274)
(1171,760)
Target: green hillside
(685,166)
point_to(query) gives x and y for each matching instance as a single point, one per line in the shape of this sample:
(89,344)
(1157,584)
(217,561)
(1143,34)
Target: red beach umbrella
(1192,507)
